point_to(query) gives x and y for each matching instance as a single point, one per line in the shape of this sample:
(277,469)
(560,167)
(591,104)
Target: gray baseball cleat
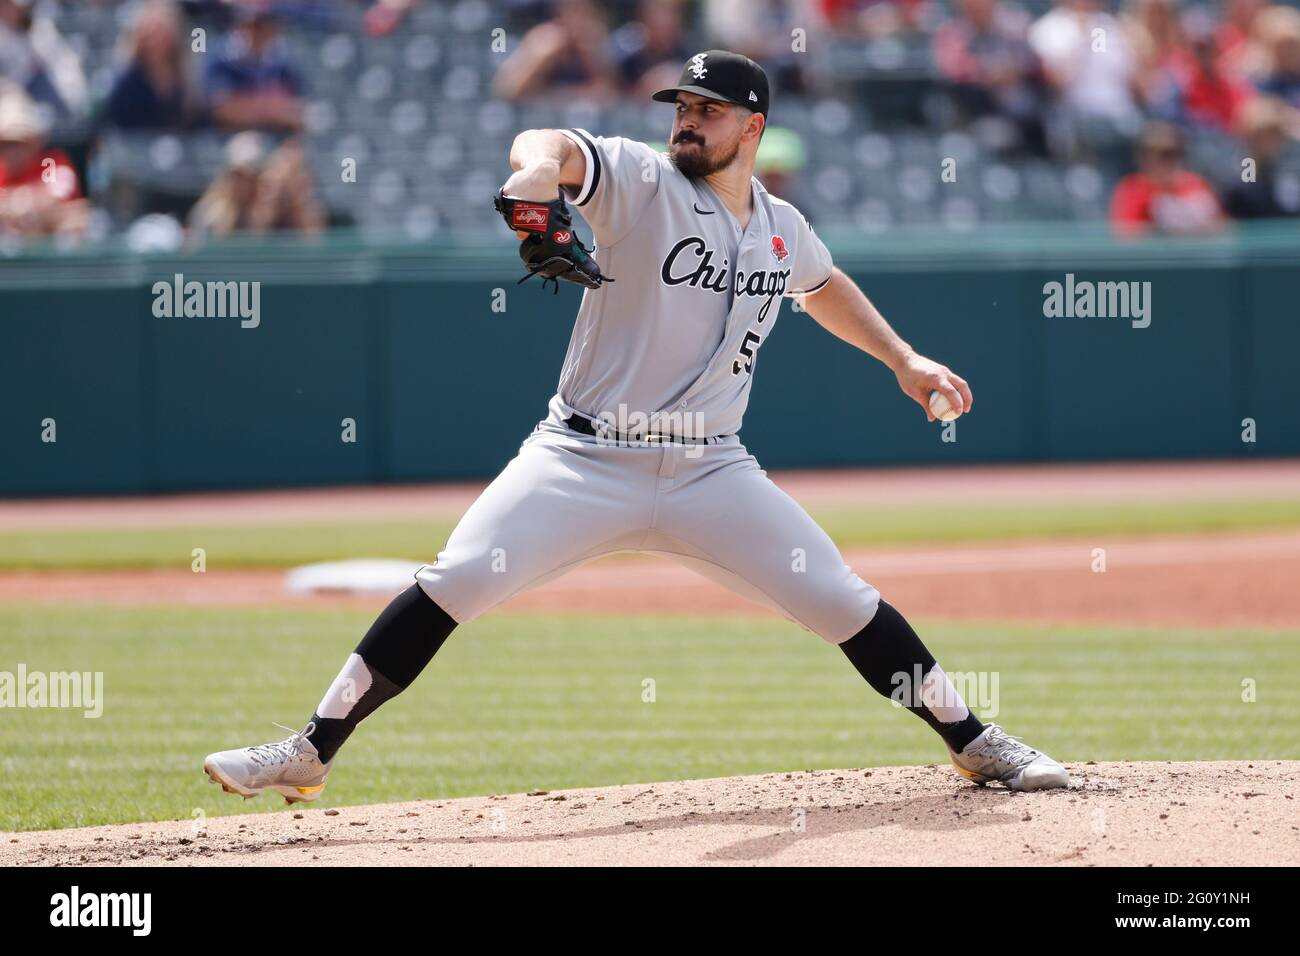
(994,755)
(291,768)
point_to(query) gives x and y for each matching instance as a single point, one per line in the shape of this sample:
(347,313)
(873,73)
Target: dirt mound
(1135,814)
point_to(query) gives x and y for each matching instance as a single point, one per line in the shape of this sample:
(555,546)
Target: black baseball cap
(722,75)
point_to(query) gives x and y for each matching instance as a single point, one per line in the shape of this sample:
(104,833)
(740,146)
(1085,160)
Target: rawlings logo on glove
(552,250)
(528,215)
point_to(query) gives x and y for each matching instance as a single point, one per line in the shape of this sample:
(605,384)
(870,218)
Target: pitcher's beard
(696,163)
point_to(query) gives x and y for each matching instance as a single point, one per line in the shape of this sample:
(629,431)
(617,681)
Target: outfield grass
(515,702)
(284,545)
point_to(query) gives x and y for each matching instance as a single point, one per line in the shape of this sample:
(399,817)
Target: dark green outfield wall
(405,342)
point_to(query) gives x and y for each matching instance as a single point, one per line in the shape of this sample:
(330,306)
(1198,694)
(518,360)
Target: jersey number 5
(747,350)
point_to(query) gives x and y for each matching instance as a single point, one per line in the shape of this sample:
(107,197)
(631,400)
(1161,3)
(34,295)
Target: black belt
(583,424)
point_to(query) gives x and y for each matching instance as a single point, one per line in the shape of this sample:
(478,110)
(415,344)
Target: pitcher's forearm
(538,147)
(842,309)
(543,161)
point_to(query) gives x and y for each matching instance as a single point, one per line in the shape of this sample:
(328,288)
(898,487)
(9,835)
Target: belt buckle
(653,437)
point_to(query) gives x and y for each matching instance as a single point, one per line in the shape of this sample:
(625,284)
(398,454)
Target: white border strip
(585,193)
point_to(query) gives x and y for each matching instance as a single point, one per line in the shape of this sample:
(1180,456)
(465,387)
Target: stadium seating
(414,109)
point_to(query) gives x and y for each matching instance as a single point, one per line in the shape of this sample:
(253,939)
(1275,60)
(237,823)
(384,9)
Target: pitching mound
(1171,814)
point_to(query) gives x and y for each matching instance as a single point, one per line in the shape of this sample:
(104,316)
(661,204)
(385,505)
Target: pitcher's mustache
(687,137)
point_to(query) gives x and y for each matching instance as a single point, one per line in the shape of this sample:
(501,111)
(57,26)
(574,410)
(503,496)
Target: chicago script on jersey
(760,283)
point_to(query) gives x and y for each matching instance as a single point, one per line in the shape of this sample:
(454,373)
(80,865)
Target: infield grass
(514,702)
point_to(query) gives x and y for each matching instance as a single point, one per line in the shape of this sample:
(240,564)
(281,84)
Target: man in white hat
(39,191)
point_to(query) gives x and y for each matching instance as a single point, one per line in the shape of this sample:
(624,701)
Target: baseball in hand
(941,409)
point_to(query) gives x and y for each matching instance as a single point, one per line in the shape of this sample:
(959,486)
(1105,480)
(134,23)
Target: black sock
(892,659)
(397,647)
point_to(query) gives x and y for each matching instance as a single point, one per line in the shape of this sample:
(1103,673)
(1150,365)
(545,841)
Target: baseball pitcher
(640,449)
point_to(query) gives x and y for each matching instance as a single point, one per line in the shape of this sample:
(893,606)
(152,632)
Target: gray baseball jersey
(676,335)
(694,296)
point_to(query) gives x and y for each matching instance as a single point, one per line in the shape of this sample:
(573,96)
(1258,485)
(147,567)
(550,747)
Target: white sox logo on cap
(721,75)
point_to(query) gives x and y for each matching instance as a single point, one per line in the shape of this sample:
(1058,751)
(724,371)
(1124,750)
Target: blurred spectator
(385,16)
(1211,92)
(208,11)
(35,56)
(1279,31)
(761,30)
(1163,56)
(250,83)
(991,71)
(1089,62)
(1269,194)
(1234,36)
(155,89)
(567,53)
(870,18)
(781,158)
(39,191)
(650,50)
(313,14)
(258,193)
(1163,195)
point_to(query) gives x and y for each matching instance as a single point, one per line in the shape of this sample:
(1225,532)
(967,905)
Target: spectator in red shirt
(1163,196)
(1183,77)
(39,191)
(871,18)
(1213,94)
